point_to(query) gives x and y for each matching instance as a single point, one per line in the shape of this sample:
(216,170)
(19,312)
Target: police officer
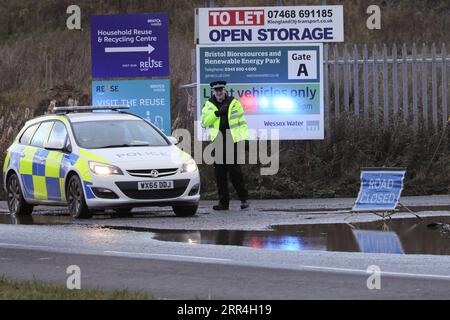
(223,115)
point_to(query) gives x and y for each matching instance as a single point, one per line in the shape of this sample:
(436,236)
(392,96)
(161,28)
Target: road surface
(120,259)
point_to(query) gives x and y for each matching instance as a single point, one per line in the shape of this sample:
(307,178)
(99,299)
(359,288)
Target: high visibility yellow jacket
(236,120)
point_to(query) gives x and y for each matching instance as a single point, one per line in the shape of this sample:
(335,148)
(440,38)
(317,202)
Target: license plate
(155,185)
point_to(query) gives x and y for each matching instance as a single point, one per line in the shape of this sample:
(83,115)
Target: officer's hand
(220,112)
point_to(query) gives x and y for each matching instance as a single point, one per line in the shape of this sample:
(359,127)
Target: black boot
(220,207)
(245,204)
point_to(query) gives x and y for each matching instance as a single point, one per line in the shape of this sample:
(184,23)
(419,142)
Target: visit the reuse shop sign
(270,24)
(149,99)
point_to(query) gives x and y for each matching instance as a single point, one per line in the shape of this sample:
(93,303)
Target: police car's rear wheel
(185,211)
(75,199)
(16,203)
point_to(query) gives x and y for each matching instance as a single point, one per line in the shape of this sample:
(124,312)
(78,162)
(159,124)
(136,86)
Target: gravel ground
(261,215)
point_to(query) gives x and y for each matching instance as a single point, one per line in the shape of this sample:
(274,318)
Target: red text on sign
(220,18)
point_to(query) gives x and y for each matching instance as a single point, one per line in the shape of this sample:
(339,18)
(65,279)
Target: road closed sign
(380,189)
(297,24)
(129,45)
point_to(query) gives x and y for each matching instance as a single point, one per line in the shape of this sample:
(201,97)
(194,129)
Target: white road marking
(124,253)
(335,269)
(26,246)
(386,273)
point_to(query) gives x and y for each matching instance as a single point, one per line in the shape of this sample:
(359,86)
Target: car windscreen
(116,133)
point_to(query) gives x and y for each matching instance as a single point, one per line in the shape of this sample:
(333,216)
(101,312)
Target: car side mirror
(68,148)
(55,146)
(173,140)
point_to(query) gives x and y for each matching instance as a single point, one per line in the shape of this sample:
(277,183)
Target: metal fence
(386,86)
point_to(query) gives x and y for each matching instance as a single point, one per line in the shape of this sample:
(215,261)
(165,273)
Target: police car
(92,161)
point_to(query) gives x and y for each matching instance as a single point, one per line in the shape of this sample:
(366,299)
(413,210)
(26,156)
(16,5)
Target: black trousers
(222,168)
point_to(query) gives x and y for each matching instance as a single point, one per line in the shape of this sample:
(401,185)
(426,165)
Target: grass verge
(38,290)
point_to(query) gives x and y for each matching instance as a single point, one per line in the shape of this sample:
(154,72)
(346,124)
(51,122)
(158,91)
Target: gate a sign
(302,65)
(130,45)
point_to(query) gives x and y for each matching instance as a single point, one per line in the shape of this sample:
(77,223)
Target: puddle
(35,219)
(50,219)
(328,210)
(398,236)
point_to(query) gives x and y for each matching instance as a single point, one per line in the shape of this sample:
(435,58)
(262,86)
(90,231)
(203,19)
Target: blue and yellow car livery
(48,165)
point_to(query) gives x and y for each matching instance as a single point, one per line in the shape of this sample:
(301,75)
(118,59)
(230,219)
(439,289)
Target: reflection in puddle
(398,236)
(34,219)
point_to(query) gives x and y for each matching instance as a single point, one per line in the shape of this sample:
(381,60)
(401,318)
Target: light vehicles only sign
(316,24)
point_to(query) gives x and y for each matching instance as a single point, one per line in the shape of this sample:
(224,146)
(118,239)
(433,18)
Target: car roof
(100,116)
(86,116)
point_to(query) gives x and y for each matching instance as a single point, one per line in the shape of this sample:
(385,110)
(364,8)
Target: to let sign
(299,24)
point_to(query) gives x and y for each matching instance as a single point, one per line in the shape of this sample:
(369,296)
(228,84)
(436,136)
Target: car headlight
(104,169)
(189,166)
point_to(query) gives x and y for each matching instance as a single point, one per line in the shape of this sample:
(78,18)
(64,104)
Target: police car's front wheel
(16,203)
(185,211)
(75,199)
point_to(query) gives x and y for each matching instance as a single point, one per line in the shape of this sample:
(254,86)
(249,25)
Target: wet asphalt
(112,255)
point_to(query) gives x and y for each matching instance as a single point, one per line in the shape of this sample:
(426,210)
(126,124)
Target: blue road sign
(380,190)
(130,45)
(149,99)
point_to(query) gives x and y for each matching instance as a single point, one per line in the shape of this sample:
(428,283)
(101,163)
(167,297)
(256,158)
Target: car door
(22,160)
(40,156)
(56,149)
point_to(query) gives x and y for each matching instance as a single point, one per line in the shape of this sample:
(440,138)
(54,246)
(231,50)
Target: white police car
(93,161)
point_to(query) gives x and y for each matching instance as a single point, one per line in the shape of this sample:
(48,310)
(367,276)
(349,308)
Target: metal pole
(209,3)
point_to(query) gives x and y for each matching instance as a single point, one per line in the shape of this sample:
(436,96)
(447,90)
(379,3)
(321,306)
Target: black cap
(218,84)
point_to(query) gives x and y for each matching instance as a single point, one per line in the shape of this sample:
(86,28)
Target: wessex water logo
(312,125)
(106,88)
